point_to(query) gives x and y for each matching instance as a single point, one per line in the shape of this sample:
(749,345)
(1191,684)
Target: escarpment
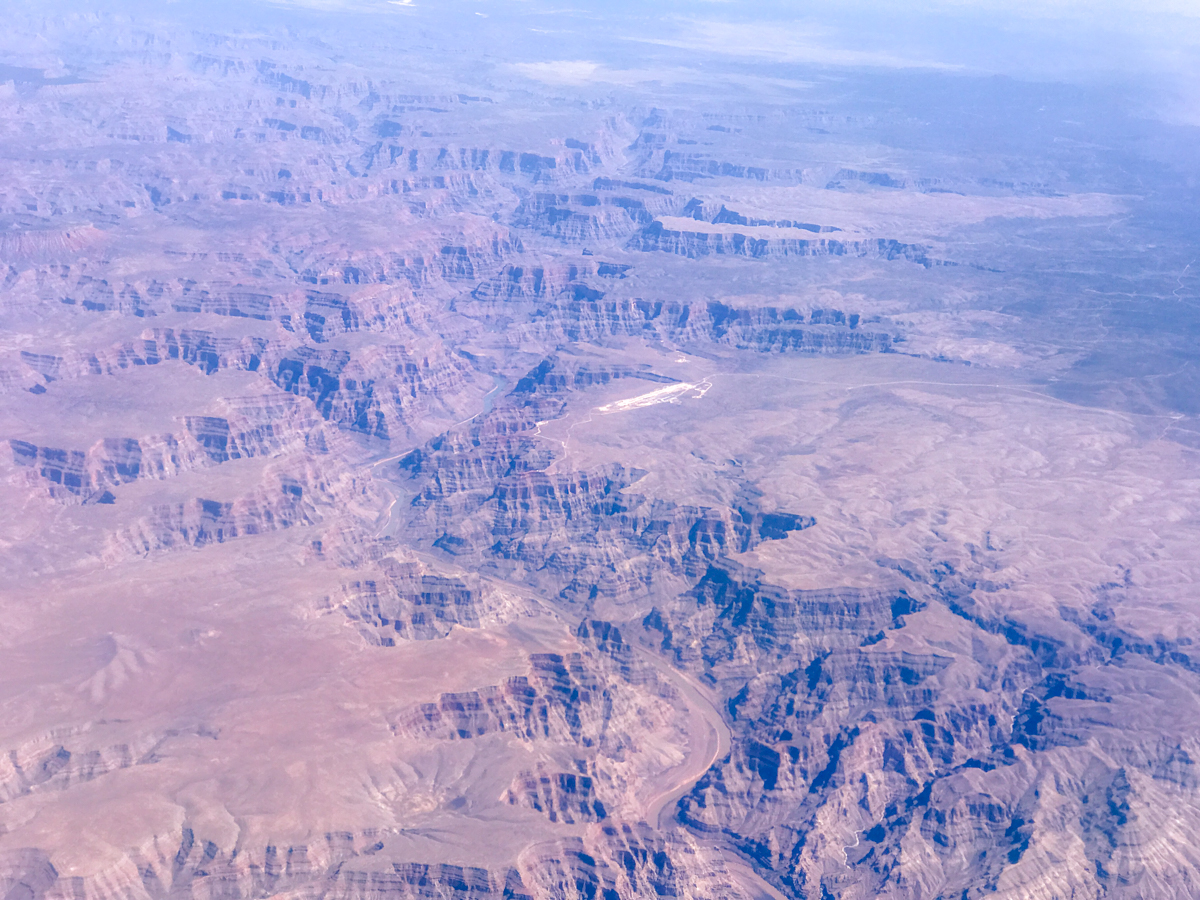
(459,258)
(722,238)
(344,865)
(707,211)
(586,522)
(287,496)
(78,475)
(590,534)
(533,283)
(780,330)
(381,389)
(252,427)
(48,244)
(258,427)
(581,313)
(416,880)
(198,522)
(48,764)
(459,466)
(559,375)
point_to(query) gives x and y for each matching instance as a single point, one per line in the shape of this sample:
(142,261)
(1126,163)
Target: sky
(1149,45)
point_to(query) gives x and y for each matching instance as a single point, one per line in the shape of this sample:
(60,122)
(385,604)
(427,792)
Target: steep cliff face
(460,258)
(558,699)
(656,159)
(717,213)
(629,861)
(568,796)
(252,427)
(47,245)
(673,236)
(485,491)
(47,764)
(417,881)
(583,314)
(76,475)
(464,465)
(546,283)
(588,525)
(258,427)
(623,720)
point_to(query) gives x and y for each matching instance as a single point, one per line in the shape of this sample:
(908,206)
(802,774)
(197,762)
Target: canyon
(436,467)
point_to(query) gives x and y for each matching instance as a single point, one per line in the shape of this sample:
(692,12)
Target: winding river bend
(709,737)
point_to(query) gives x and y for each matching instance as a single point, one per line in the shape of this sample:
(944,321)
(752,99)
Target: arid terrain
(436,463)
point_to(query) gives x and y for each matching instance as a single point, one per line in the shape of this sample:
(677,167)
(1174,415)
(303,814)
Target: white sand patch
(672,393)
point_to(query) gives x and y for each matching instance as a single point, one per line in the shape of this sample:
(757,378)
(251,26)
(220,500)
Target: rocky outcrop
(658,161)
(257,427)
(560,375)
(560,697)
(75,475)
(49,764)
(454,467)
(341,864)
(719,214)
(541,518)
(579,218)
(625,721)
(562,796)
(199,522)
(406,602)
